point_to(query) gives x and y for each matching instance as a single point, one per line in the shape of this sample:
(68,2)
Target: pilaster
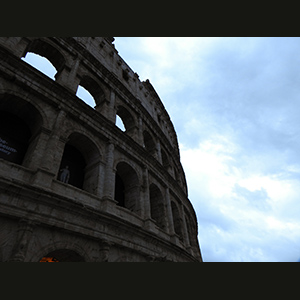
(53,149)
(25,230)
(145,195)
(109,180)
(169,212)
(67,76)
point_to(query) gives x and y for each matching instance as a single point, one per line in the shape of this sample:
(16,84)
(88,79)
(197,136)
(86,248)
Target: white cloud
(234,103)
(208,165)
(239,215)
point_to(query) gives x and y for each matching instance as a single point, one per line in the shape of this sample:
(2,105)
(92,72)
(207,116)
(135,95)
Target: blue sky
(234,103)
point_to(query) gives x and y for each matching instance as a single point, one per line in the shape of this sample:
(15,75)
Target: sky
(234,103)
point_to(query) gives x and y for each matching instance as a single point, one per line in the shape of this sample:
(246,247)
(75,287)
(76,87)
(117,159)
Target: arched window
(191,230)
(119,190)
(47,51)
(40,63)
(14,137)
(176,219)
(96,95)
(127,189)
(165,160)
(79,164)
(72,167)
(157,206)
(125,121)
(62,255)
(19,126)
(86,96)
(120,123)
(149,143)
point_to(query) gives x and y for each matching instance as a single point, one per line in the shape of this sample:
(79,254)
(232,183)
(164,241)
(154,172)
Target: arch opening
(79,163)
(120,123)
(40,63)
(119,191)
(127,190)
(20,123)
(72,167)
(165,160)
(62,255)
(191,230)
(157,207)
(125,121)
(90,92)
(47,51)
(14,137)
(149,143)
(86,96)
(176,220)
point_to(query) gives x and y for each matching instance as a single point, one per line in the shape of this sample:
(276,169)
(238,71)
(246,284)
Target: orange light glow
(49,259)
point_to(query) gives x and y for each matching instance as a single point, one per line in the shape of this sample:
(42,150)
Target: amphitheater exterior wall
(128,199)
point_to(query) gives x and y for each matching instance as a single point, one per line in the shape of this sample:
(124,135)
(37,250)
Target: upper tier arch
(94,63)
(47,50)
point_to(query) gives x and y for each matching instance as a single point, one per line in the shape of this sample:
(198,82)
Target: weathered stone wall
(152,220)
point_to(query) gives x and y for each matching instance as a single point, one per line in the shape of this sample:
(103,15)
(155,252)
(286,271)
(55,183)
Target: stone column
(51,152)
(140,131)
(169,212)
(101,176)
(92,179)
(148,221)
(109,180)
(104,251)
(146,214)
(24,234)
(158,152)
(67,76)
(35,152)
(109,111)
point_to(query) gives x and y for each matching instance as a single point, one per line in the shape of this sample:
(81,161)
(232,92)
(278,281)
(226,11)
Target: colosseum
(74,186)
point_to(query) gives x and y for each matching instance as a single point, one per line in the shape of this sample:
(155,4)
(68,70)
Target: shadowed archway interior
(62,255)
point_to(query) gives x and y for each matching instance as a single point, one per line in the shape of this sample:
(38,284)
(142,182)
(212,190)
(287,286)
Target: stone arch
(128,120)
(64,252)
(82,157)
(157,206)
(177,221)
(94,88)
(149,143)
(191,230)
(127,187)
(188,225)
(62,255)
(47,50)
(74,128)
(165,159)
(123,159)
(33,100)
(20,124)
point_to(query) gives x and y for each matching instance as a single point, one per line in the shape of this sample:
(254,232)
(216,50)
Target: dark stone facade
(124,196)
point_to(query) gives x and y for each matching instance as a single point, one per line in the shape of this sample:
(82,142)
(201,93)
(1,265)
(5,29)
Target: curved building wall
(74,187)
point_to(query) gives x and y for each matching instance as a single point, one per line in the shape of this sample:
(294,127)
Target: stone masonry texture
(73,185)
